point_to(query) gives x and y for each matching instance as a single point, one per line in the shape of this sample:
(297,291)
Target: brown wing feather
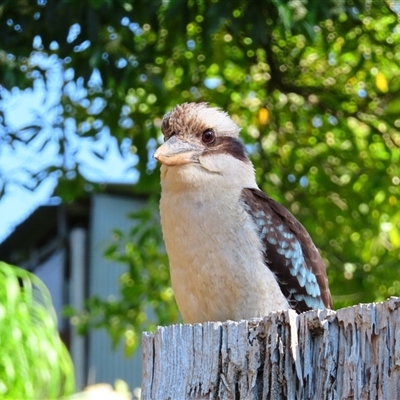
(289,252)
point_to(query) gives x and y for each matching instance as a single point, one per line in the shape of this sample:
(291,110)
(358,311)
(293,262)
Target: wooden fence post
(353,353)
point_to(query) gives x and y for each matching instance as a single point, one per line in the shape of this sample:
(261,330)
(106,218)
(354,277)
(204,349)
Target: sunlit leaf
(381,82)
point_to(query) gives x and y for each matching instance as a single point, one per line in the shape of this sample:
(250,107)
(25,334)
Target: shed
(64,244)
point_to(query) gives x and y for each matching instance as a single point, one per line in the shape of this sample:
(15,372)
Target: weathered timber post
(353,353)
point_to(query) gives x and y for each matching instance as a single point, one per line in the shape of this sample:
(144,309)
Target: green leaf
(34,363)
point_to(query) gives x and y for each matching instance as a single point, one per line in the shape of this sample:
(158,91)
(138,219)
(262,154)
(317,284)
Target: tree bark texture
(353,353)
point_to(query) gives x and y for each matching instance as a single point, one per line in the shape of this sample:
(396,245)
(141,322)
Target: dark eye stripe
(227,145)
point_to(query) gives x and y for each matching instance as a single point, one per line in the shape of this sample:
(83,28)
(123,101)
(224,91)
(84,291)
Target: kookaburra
(234,252)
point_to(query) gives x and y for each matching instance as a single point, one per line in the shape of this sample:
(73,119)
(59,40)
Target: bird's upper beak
(177,152)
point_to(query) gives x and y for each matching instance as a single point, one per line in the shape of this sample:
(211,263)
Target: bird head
(199,136)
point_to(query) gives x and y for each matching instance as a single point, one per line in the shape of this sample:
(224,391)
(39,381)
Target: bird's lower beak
(176,152)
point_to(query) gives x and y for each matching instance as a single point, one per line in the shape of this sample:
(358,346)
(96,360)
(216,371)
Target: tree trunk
(353,353)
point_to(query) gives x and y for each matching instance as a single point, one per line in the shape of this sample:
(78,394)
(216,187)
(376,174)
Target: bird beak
(176,152)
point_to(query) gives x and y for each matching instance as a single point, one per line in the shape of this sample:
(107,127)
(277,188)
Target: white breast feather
(216,261)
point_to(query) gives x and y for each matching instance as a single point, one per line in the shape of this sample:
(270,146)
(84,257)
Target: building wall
(51,272)
(104,364)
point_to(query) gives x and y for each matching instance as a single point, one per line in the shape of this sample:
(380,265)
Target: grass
(34,363)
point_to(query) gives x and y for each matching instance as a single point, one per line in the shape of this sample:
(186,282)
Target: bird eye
(208,136)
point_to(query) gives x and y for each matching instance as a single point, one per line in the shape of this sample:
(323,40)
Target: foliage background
(314,84)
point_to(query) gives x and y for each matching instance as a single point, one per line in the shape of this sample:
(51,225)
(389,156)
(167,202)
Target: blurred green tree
(314,85)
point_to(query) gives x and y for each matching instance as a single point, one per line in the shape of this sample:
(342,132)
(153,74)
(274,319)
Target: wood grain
(353,353)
